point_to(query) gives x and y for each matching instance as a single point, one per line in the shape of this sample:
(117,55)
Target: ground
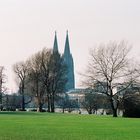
(45,126)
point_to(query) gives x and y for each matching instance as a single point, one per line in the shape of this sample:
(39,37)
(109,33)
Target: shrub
(131,104)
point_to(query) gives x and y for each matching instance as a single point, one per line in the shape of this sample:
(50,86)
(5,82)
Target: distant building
(77,94)
(68,60)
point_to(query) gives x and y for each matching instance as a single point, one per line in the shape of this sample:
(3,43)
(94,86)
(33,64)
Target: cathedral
(68,60)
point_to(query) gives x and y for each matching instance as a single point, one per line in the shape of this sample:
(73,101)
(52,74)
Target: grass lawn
(45,126)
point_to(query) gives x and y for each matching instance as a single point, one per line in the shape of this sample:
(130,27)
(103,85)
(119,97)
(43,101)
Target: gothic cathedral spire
(55,45)
(68,59)
(67,46)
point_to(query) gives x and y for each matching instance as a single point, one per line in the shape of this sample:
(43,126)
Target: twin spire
(67,47)
(68,60)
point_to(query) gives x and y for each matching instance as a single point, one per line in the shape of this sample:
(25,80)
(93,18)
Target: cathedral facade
(68,60)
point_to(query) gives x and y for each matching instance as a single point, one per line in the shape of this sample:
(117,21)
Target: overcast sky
(26,26)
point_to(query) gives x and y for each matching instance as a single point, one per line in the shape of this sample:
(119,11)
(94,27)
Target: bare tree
(21,71)
(35,80)
(108,67)
(2,87)
(93,101)
(45,70)
(57,78)
(43,76)
(54,76)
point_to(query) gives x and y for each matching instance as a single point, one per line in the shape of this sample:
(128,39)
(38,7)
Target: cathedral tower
(68,59)
(55,45)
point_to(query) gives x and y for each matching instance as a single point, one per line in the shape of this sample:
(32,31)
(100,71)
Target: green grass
(45,126)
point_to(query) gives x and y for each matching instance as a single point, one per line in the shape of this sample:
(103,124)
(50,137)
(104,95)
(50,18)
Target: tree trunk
(89,111)
(52,104)
(23,103)
(63,110)
(23,98)
(115,113)
(114,109)
(1,83)
(39,107)
(1,106)
(0,98)
(49,106)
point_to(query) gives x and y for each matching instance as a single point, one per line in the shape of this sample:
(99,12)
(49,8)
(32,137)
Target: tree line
(110,72)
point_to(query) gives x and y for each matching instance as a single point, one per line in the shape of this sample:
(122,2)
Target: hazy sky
(27,26)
